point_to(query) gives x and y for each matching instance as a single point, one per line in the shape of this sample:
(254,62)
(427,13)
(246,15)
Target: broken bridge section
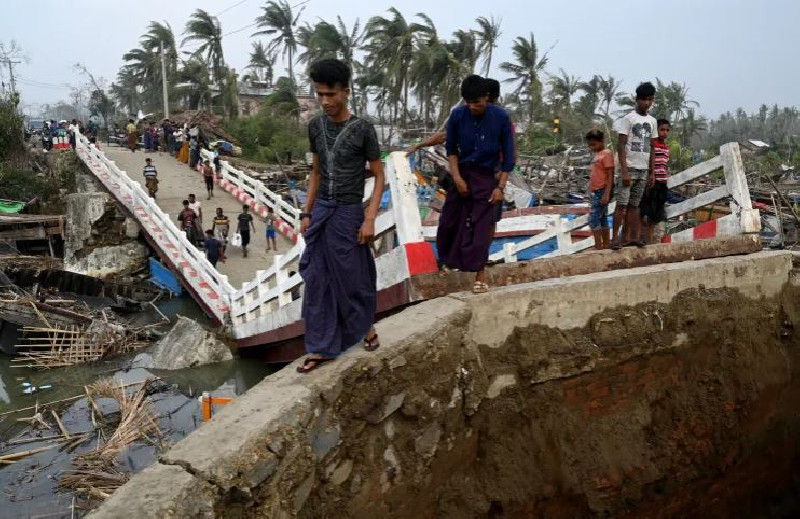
(664,390)
(266,309)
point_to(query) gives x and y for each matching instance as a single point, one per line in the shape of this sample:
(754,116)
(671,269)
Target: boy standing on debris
(337,266)
(245,223)
(637,133)
(652,208)
(601,180)
(150,177)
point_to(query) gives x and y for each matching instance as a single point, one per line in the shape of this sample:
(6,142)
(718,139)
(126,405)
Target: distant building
(251,96)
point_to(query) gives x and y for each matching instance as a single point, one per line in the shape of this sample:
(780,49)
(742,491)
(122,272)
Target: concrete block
(569,302)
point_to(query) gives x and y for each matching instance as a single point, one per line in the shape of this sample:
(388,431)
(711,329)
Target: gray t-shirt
(640,129)
(343,149)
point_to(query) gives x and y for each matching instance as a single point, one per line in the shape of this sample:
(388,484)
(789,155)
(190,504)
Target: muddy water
(28,488)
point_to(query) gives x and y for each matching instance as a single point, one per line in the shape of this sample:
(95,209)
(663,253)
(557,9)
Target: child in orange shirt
(601,182)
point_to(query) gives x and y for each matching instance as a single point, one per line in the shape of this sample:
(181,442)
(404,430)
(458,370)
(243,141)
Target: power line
(231,7)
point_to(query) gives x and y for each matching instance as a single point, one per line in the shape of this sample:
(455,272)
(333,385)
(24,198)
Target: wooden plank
(697,171)
(701,200)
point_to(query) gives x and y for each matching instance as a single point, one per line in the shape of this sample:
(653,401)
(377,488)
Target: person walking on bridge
(150,177)
(131,129)
(479,139)
(337,266)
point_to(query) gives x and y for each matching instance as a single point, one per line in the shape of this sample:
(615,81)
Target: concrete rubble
(187,345)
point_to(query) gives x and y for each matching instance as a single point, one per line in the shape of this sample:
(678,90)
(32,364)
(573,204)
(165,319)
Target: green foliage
(274,131)
(12,142)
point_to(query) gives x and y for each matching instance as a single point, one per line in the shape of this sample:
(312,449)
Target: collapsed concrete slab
(596,395)
(187,345)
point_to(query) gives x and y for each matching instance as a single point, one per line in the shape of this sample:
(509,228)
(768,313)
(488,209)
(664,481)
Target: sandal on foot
(480,287)
(311,363)
(616,245)
(372,344)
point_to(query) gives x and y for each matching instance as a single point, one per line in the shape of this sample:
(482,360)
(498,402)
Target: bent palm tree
(390,48)
(488,34)
(525,71)
(207,31)
(279,20)
(261,63)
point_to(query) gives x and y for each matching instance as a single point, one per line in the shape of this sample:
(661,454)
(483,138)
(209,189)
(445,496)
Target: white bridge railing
(266,303)
(743,218)
(256,190)
(211,288)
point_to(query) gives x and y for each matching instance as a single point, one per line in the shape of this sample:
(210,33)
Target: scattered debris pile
(55,347)
(209,124)
(96,475)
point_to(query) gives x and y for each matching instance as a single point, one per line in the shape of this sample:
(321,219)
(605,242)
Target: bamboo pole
(73,398)
(61,425)
(24,454)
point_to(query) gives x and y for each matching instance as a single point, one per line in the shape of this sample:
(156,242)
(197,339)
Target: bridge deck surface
(176,181)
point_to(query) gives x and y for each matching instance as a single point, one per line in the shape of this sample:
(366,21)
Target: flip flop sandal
(308,367)
(480,287)
(372,344)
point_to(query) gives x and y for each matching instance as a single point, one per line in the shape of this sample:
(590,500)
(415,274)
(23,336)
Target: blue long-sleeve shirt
(483,141)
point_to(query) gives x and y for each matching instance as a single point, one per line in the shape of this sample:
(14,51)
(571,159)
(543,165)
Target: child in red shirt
(601,181)
(652,208)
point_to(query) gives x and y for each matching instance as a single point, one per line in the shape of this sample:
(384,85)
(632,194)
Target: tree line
(407,74)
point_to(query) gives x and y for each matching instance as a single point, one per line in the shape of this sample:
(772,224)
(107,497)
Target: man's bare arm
(376,166)
(313,184)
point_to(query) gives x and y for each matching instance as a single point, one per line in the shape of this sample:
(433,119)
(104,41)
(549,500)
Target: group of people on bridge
(337,265)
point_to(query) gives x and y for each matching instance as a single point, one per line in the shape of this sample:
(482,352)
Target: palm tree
(160,36)
(690,126)
(207,31)
(261,63)
(145,67)
(197,92)
(592,92)
(562,88)
(279,20)
(321,41)
(390,47)
(488,34)
(608,92)
(525,71)
(125,89)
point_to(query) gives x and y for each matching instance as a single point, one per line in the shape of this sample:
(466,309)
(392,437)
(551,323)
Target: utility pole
(164,82)
(11,64)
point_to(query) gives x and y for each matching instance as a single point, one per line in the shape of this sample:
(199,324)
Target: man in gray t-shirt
(637,132)
(337,265)
(343,148)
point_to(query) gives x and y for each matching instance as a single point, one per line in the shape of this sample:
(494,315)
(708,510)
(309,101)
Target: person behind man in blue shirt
(479,139)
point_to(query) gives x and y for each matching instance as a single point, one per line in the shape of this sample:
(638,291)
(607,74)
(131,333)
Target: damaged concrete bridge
(263,309)
(662,391)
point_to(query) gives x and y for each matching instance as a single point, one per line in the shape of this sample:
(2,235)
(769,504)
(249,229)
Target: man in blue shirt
(479,139)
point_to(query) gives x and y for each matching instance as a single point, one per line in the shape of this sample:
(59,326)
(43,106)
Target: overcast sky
(729,53)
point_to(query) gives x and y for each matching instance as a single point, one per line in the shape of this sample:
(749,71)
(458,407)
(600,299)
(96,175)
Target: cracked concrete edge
(161,491)
(241,447)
